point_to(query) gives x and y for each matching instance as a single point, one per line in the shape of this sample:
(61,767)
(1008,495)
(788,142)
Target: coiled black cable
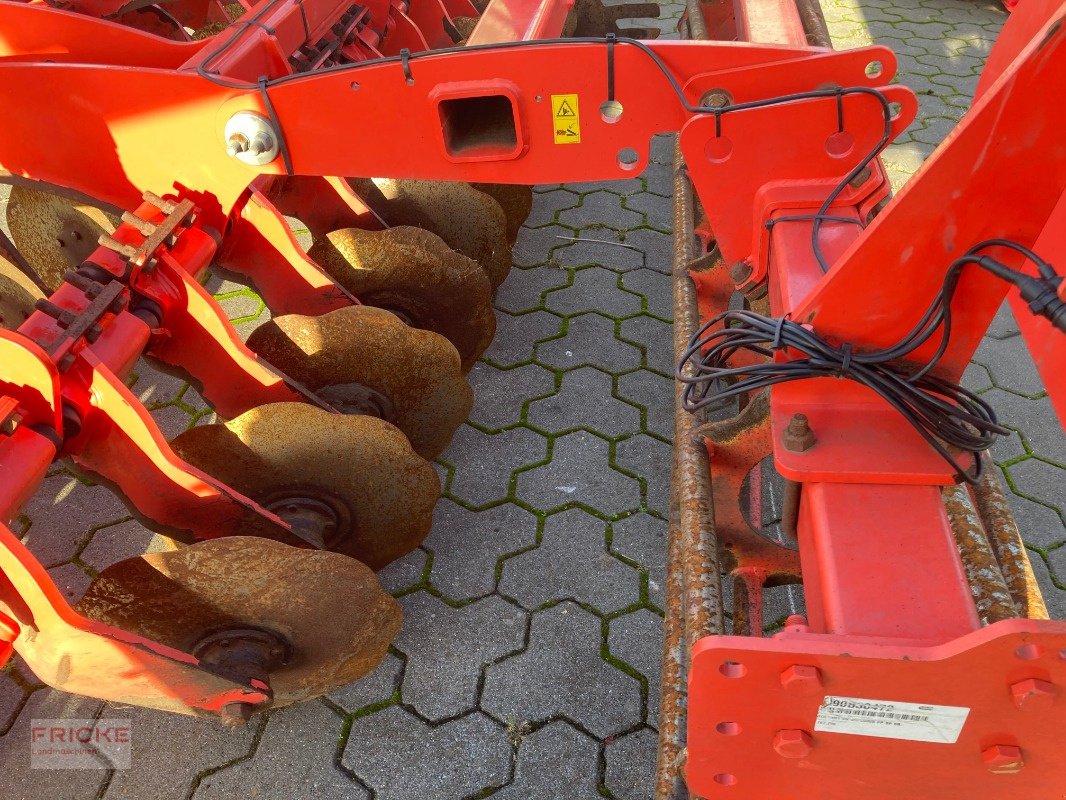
(944,413)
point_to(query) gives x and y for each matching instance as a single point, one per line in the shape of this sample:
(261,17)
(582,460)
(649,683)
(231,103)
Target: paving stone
(241,306)
(156,772)
(467,545)
(23,783)
(572,561)
(296,752)
(589,341)
(656,288)
(12,696)
(547,205)
(600,210)
(650,459)
(516,337)
(447,648)
(662,144)
(656,393)
(1035,418)
(594,289)
(585,401)
(599,247)
(499,394)
(658,248)
(553,761)
(637,639)
(658,211)
(562,675)
(1040,481)
(533,245)
(579,472)
(403,573)
(1010,364)
(631,765)
(659,179)
(657,338)
(1003,324)
(523,288)
(642,538)
(377,687)
(1007,447)
(171,420)
(624,187)
(976,377)
(71,580)
(1054,598)
(62,512)
(154,387)
(117,542)
(484,462)
(401,758)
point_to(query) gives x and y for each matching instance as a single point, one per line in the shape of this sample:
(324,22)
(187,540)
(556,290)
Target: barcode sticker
(914,721)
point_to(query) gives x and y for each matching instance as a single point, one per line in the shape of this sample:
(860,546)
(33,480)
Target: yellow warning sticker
(566,118)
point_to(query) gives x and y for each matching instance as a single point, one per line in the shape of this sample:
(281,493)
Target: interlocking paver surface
(528,665)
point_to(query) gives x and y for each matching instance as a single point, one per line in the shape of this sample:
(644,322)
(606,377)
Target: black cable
(945,414)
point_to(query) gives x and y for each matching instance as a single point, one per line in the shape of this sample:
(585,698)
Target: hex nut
(793,743)
(1003,759)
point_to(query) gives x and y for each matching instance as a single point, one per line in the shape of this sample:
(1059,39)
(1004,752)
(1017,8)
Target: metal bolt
(740,272)
(251,138)
(1003,759)
(800,677)
(234,715)
(1033,693)
(716,98)
(793,743)
(798,435)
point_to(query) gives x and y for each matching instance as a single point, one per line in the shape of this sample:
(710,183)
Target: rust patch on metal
(593,18)
(329,609)
(515,200)
(18,295)
(1006,543)
(415,274)
(54,233)
(990,593)
(358,469)
(417,370)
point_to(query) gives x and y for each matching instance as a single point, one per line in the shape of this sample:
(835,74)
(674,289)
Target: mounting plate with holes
(752,693)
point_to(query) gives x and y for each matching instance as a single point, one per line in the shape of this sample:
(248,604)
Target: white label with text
(918,722)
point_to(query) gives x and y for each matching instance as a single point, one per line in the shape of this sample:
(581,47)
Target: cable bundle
(944,413)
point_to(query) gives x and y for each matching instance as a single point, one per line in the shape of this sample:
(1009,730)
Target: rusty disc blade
(415,373)
(18,294)
(595,18)
(467,220)
(54,233)
(516,200)
(327,612)
(352,481)
(413,273)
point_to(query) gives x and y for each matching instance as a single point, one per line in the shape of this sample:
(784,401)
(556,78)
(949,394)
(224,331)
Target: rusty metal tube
(697,25)
(810,12)
(1006,542)
(990,593)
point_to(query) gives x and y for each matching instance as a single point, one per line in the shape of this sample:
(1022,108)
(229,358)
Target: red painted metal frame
(891,616)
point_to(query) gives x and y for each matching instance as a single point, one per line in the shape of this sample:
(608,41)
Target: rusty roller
(365,360)
(54,233)
(469,221)
(253,608)
(414,274)
(351,484)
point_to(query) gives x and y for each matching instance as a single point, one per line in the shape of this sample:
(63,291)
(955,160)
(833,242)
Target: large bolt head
(251,138)
(1003,759)
(1033,693)
(793,743)
(801,677)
